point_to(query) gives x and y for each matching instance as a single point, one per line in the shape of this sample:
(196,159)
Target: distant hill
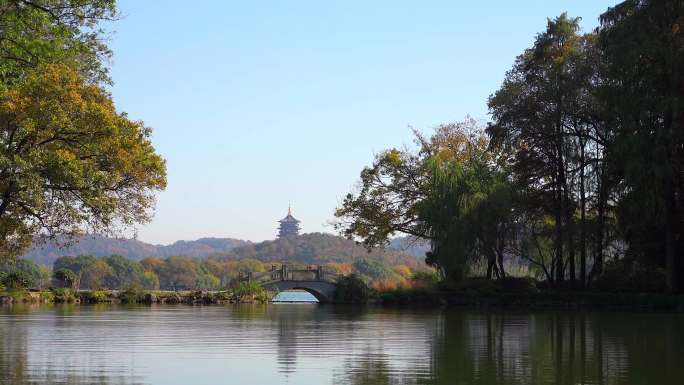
(315,248)
(46,252)
(307,248)
(410,246)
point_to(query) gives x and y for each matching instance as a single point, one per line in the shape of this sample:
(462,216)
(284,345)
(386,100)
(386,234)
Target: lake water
(325,344)
(294,296)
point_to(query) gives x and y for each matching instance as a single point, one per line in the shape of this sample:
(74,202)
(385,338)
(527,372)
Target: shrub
(623,276)
(93,296)
(16,280)
(255,290)
(64,295)
(425,278)
(47,296)
(131,295)
(351,289)
(383,285)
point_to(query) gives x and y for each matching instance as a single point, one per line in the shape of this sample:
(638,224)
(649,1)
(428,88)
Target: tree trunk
(671,267)
(569,223)
(597,269)
(583,224)
(559,212)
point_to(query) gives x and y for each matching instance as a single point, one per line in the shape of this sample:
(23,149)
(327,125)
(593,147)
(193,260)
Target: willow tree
(411,192)
(468,214)
(69,162)
(386,202)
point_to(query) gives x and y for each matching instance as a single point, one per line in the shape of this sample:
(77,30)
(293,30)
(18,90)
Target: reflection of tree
(367,369)
(557,348)
(13,352)
(25,358)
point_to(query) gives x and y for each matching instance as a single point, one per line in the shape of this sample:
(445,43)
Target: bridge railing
(286,273)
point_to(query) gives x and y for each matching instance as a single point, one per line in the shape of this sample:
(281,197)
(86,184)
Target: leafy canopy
(36,32)
(69,161)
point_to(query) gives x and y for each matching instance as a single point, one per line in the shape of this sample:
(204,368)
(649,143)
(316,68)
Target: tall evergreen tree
(643,42)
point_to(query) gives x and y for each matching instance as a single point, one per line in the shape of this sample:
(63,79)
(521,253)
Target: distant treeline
(174,273)
(307,248)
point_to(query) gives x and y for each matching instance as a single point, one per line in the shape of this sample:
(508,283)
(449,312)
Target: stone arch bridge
(316,280)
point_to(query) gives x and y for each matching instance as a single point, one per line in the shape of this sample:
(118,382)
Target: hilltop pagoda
(289,226)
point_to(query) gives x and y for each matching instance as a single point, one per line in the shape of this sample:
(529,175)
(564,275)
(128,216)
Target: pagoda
(289,226)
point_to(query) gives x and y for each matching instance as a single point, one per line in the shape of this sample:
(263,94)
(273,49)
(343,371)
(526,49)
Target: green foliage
(249,291)
(16,280)
(178,273)
(150,280)
(61,31)
(372,269)
(83,164)
(584,156)
(395,184)
(25,273)
(351,289)
(47,296)
(644,54)
(131,296)
(124,272)
(427,277)
(65,278)
(64,294)
(93,296)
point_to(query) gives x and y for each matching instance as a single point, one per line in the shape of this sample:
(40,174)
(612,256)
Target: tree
(96,275)
(643,42)
(77,265)
(427,194)
(65,278)
(392,188)
(36,32)
(124,272)
(69,162)
(16,280)
(36,276)
(468,215)
(178,273)
(545,114)
(223,270)
(150,280)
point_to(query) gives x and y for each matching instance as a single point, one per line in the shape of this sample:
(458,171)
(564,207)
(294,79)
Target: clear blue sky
(256,104)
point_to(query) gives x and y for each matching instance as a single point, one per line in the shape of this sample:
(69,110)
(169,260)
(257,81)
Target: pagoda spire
(289,209)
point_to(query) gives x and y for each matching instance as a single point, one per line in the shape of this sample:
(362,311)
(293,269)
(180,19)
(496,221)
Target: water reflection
(558,348)
(310,344)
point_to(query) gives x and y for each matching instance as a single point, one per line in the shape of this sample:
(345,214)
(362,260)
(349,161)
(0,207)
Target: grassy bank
(242,294)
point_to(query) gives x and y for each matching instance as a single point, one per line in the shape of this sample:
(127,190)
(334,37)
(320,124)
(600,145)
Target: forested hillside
(46,253)
(317,248)
(307,248)
(207,263)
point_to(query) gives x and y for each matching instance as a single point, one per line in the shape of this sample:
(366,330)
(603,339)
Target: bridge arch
(323,291)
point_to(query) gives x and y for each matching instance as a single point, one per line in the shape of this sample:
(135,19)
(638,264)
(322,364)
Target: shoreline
(145,297)
(542,300)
